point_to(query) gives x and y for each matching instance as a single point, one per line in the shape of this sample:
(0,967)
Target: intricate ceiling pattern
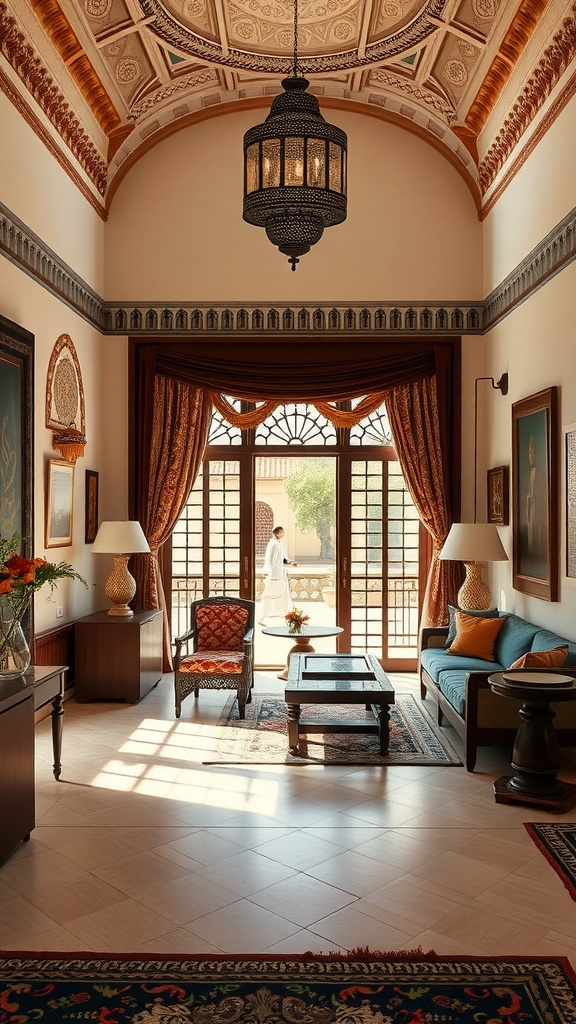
(148,67)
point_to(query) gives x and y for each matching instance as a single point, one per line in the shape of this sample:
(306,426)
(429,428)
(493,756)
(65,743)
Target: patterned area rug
(363,989)
(557,841)
(261,737)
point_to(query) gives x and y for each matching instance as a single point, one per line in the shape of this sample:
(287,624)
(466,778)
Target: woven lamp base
(474,594)
(120,587)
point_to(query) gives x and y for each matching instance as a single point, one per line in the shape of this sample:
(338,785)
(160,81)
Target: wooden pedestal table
(338,679)
(536,754)
(302,640)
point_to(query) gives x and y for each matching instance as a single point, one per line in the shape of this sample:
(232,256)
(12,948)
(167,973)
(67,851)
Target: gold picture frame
(498,496)
(535,476)
(59,504)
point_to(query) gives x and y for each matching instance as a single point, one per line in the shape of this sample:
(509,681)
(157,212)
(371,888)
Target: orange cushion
(543,659)
(475,637)
(221,627)
(216,663)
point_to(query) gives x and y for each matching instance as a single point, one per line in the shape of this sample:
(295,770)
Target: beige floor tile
(243,927)
(119,928)
(300,850)
(178,941)
(349,929)
(463,874)
(184,899)
(355,874)
(302,899)
(246,873)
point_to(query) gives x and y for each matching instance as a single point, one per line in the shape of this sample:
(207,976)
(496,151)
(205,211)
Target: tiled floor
(141,847)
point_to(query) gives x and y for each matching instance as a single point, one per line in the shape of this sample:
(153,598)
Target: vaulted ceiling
(146,68)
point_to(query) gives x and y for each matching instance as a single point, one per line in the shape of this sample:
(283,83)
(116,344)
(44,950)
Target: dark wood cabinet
(117,659)
(16,770)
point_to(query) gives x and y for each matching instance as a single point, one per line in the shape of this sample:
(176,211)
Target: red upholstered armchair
(217,652)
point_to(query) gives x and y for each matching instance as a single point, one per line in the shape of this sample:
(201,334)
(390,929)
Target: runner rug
(361,988)
(557,841)
(261,737)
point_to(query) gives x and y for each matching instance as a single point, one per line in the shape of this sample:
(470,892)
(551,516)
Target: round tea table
(302,640)
(536,753)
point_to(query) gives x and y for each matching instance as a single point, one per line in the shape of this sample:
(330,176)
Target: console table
(536,753)
(19,699)
(117,658)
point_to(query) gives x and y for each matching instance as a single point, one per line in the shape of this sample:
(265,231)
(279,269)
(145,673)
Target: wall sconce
(120,539)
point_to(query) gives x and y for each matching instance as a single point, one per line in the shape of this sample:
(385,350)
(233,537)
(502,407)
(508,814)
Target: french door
(372,552)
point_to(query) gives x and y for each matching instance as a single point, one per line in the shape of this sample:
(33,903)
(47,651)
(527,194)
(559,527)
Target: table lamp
(474,544)
(121,539)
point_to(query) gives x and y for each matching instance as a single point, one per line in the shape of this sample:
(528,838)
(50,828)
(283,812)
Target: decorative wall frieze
(28,65)
(402,318)
(548,72)
(553,253)
(22,247)
(405,319)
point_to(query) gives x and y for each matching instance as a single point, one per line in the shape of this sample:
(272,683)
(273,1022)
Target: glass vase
(14,650)
(294,627)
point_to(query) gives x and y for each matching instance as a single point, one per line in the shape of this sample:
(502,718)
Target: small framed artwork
(59,504)
(498,497)
(570,510)
(535,475)
(91,522)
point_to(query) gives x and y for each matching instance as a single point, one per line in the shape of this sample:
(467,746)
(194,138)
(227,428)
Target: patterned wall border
(553,253)
(20,245)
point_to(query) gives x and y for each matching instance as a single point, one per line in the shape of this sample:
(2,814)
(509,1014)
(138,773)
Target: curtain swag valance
(338,418)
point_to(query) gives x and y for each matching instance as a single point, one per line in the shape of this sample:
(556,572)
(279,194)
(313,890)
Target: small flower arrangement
(296,619)
(20,578)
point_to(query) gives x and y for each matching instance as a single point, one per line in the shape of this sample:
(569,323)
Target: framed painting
(535,495)
(59,504)
(91,522)
(16,443)
(498,496)
(570,507)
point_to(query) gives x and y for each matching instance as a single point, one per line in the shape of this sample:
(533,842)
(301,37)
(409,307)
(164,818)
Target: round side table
(302,640)
(536,753)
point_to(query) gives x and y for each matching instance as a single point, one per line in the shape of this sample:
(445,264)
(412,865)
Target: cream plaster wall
(39,192)
(176,233)
(103,364)
(541,194)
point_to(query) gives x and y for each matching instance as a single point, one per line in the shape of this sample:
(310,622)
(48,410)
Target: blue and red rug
(557,841)
(359,988)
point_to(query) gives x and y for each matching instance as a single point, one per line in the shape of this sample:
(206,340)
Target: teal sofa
(460,687)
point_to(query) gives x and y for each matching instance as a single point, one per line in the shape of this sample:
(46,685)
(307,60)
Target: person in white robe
(276,600)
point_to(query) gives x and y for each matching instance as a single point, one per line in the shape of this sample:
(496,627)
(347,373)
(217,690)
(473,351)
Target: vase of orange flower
(296,619)
(20,578)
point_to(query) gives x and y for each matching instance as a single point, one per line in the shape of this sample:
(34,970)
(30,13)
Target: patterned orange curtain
(180,421)
(413,415)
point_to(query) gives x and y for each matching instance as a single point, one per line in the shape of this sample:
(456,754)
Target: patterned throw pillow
(543,659)
(484,613)
(221,627)
(475,637)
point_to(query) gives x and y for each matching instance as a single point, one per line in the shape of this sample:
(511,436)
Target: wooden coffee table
(338,679)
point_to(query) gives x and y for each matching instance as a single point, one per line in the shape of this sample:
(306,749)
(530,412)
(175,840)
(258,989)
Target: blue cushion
(453,686)
(514,639)
(437,661)
(545,640)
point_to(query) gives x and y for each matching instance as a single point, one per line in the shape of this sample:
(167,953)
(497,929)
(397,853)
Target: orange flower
(6,586)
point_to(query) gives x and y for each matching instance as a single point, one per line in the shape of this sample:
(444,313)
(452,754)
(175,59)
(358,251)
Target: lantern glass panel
(271,163)
(316,166)
(252,168)
(335,168)
(294,161)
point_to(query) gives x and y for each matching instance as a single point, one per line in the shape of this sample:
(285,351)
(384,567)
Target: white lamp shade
(473,542)
(124,537)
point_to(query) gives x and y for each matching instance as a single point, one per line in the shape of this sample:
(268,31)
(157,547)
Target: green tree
(311,491)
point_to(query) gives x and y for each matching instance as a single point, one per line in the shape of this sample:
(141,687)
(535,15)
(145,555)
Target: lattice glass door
(378,559)
(206,556)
